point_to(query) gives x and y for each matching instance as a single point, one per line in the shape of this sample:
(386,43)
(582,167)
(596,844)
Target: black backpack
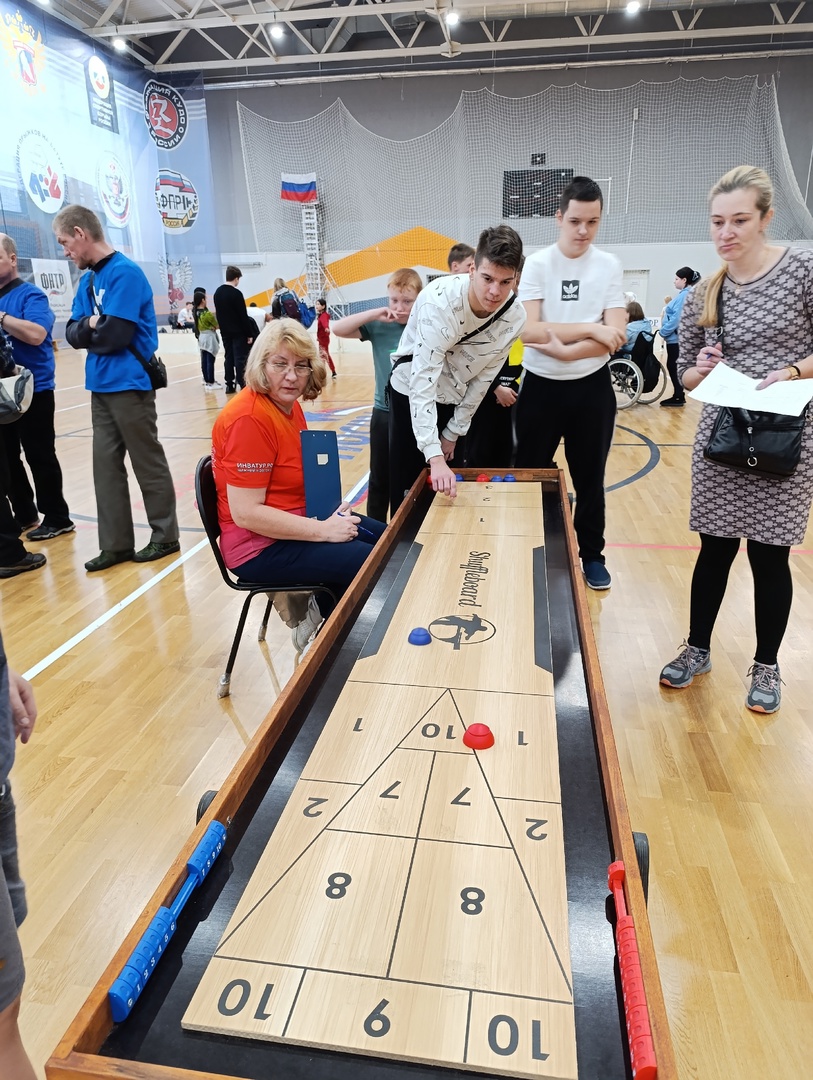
(289,306)
(643,355)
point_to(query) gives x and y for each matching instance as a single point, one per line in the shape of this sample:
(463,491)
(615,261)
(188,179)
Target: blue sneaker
(596,574)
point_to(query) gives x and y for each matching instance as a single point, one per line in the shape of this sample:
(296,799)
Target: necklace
(763,269)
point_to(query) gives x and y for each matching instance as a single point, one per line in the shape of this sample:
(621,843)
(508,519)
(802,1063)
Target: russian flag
(299,187)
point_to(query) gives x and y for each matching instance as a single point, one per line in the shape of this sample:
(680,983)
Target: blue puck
(509,478)
(458,476)
(496,479)
(419,636)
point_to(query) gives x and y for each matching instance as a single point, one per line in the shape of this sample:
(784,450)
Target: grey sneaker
(304,632)
(765,695)
(689,662)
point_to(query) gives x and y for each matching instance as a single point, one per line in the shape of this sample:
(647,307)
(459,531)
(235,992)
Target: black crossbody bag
(155,367)
(759,443)
(407,359)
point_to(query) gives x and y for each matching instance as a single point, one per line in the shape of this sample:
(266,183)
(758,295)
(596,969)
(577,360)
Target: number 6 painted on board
(377,1018)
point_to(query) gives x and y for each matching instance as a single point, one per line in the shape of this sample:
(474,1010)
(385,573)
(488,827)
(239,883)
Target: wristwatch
(795,373)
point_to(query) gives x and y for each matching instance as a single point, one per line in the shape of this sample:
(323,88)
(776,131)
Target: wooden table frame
(77,1055)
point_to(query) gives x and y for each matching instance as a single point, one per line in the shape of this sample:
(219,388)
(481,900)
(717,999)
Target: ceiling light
(633,7)
(119,44)
(452,18)
(45,3)
(277,32)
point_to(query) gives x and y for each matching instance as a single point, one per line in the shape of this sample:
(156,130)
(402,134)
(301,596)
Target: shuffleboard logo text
(475,570)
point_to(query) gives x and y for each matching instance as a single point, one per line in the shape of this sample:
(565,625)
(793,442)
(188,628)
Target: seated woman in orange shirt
(257,466)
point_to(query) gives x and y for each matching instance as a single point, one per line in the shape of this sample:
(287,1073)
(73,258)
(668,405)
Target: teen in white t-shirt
(573,296)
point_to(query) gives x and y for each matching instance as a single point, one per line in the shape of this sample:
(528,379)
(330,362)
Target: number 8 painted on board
(337,886)
(472,901)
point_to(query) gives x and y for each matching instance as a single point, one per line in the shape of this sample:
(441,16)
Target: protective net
(656,149)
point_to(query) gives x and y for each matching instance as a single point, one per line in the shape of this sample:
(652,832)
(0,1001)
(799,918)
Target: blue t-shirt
(29,302)
(120,288)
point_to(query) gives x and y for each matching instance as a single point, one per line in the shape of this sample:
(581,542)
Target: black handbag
(155,367)
(759,443)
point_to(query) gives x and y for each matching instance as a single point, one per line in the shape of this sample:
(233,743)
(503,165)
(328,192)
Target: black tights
(773,591)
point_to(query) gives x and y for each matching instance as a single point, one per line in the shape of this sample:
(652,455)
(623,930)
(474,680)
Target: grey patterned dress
(768,322)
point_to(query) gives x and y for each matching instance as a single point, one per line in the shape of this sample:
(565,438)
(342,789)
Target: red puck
(482,479)
(478,737)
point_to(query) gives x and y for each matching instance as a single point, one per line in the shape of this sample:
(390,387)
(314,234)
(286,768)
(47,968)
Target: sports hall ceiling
(235,42)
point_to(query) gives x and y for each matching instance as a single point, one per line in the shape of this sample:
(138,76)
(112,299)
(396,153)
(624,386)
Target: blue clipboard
(320,466)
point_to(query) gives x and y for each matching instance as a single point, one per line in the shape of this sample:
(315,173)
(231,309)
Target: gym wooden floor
(131,733)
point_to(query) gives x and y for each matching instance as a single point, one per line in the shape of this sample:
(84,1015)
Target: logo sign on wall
(25,52)
(176,199)
(53,278)
(165,113)
(101,96)
(113,186)
(41,171)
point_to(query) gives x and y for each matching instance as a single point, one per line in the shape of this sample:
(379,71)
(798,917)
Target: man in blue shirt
(26,317)
(113,317)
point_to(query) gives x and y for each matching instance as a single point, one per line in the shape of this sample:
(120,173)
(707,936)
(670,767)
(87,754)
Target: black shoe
(30,561)
(105,559)
(155,551)
(48,532)
(231,388)
(673,403)
(18,525)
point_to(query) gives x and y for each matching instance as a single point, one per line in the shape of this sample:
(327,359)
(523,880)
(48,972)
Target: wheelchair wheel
(649,397)
(627,382)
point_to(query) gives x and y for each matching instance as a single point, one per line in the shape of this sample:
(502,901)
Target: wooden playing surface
(411,901)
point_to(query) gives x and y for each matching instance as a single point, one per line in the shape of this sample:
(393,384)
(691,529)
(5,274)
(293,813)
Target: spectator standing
(323,333)
(208,341)
(27,319)
(285,303)
(763,296)
(237,327)
(382,327)
(574,298)
(460,259)
(685,280)
(113,317)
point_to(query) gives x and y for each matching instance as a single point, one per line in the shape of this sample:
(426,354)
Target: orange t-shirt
(255,444)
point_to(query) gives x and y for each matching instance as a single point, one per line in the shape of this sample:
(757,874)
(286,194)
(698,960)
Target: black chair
(206,495)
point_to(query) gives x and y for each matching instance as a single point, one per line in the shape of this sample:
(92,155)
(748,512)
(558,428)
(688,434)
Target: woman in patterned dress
(768,321)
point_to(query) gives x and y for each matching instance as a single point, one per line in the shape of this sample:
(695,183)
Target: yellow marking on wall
(415,247)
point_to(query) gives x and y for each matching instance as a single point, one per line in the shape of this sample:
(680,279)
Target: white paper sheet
(724,386)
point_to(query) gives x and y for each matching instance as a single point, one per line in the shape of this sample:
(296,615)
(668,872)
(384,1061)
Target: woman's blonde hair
(744,176)
(279,283)
(292,335)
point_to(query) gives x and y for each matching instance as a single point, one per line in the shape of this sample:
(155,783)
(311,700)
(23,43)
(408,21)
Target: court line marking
(293,1003)
(411,861)
(60,651)
(230,933)
(423,839)
(407,982)
(67,646)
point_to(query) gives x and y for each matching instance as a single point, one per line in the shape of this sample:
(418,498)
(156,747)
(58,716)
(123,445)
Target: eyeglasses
(279,368)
